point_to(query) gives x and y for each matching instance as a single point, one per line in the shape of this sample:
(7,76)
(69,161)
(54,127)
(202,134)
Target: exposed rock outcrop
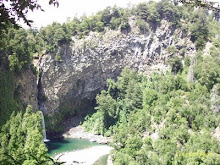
(79,133)
(26,86)
(71,84)
(217,133)
(24,83)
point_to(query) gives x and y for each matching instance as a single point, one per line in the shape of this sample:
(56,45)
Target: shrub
(142,25)
(58,57)
(176,64)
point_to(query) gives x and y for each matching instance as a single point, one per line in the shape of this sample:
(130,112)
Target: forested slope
(162,109)
(75,59)
(160,119)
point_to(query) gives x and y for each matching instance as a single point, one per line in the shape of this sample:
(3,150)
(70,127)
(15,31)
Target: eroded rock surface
(70,85)
(26,86)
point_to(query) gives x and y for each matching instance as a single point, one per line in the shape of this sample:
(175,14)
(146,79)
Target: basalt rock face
(68,87)
(23,84)
(26,89)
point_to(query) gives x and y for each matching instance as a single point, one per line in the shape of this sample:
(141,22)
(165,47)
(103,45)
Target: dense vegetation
(8,103)
(158,119)
(12,11)
(18,47)
(16,51)
(149,118)
(166,118)
(21,140)
(148,16)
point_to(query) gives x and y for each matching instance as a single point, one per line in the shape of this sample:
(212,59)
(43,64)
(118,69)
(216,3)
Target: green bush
(58,57)
(200,30)
(176,64)
(142,25)
(187,61)
(148,12)
(172,50)
(208,72)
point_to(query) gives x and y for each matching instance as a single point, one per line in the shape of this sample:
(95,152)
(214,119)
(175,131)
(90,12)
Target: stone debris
(79,133)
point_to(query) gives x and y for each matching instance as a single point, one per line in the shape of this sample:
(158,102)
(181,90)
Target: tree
(107,105)
(126,76)
(21,137)
(11,11)
(21,140)
(199,3)
(142,25)
(106,15)
(169,12)
(150,95)
(7,100)
(141,11)
(134,95)
(208,72)
(19,55)
(176,64)
(175,118)
(133,145)
(200,30)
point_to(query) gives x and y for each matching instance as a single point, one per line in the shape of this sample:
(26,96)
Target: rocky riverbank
(79,133)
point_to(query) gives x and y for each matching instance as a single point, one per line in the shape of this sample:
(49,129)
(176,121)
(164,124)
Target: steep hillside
(162,119)
(69,86)
(76,68)
(146,76)
(17,90)
(75,59)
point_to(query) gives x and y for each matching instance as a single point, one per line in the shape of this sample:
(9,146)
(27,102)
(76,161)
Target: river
(60,146)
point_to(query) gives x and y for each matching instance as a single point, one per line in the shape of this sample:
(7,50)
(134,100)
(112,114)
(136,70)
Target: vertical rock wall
(69,86)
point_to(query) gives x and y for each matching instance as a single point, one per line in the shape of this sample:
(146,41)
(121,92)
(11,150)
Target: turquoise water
(63,145)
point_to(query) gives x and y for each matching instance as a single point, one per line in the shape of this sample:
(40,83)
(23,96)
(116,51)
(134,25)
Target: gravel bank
(79,133)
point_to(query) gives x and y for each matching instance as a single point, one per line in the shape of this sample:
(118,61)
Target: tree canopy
(21,140)
(200,3)
(13,10)
(150,118)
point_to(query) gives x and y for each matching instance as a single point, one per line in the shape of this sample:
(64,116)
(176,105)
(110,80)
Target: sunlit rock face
(69,86)
(26,89)
(24,84)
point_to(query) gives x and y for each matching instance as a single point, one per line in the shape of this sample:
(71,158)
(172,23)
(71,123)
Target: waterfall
(44,129)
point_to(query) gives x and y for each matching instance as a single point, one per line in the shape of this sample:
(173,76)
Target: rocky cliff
(26,89)
(67,87)
(17,89)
